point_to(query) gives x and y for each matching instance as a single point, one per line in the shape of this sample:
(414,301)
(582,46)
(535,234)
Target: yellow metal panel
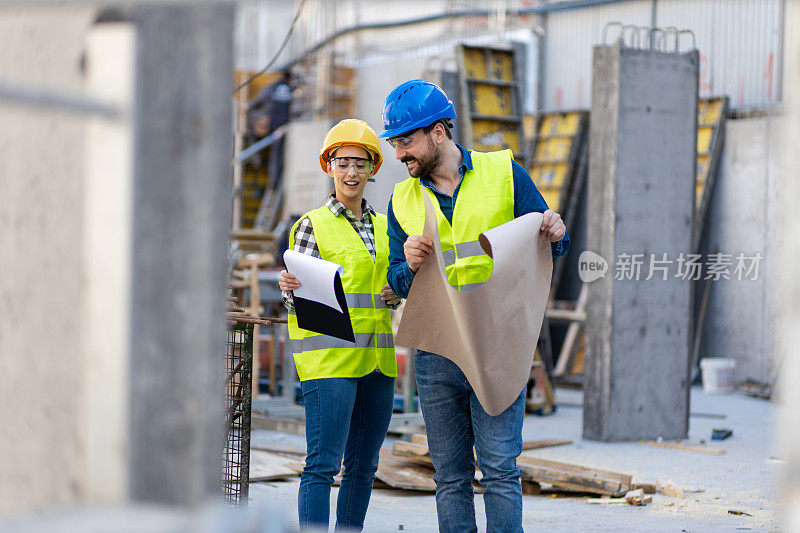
(491,135)
(702,168)
(714,111)
(502,65)
(555,148)
(549,175)
(529,126)
(549,125)
(475,63)
(704,135)
(252,203)
(558,124)
(491,100)
(552,198)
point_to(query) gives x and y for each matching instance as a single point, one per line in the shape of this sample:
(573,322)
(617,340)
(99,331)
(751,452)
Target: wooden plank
(647,488)
(573,476)
(687,447)
(413,452)
(410,449)
(543,443)
(565,315)
(530,488)
(402,474)
(419,438)
(568,348)
(265,466)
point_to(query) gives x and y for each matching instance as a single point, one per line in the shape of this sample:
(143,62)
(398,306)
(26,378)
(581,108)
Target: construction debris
(648,488)
(573,476)
(265,466)
(721,433)
(667,487)
(606,501)
(419,438)
(756,389)
(632,497)
(531,488)
(408,466)
(285,451)
(400,473)
(413,452)
(638,497)
(687,447)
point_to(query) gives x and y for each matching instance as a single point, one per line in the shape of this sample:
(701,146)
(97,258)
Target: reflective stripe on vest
(485,200)
(326,342)
(364,301)
(464,249)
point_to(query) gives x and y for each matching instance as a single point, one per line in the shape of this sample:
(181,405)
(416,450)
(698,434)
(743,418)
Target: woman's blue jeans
(344,417)
(455,421)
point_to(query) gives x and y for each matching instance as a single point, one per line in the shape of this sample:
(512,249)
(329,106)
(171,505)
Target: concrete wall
(742,219)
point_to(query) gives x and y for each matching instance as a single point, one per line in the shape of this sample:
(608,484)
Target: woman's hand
(388,295)
(287,282)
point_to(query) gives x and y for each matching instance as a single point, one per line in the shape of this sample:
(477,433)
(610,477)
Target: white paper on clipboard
(316,277)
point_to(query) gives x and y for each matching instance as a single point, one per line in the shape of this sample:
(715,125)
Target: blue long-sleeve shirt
(527,199)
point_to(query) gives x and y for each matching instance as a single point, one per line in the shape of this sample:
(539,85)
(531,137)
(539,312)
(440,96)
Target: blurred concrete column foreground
(114,165)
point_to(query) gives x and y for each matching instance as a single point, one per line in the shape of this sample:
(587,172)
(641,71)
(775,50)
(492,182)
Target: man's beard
(426,166)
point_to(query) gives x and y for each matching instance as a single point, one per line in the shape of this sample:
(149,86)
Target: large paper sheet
(319,302)
(491,331)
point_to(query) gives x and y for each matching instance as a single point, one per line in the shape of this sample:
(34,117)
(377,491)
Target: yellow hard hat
(351,131)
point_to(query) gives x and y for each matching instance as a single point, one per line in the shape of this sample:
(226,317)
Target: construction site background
(113,316)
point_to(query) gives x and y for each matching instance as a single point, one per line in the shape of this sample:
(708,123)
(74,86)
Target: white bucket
(719,374)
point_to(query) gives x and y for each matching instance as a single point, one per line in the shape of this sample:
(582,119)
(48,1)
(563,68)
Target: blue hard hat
(414,104)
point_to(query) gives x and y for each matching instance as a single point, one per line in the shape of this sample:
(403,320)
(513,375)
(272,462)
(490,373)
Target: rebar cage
(238,395)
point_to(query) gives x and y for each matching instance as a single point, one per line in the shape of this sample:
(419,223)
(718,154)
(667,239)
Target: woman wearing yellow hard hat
(348,388)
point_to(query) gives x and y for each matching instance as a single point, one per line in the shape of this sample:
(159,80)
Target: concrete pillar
(42,363)
(180,206)
(641,201)
(113,241)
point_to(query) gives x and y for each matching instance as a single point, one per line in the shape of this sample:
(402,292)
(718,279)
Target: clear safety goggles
(403,141)
(343,164)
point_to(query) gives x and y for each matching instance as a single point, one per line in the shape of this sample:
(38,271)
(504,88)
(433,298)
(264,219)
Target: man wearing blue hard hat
(473,192)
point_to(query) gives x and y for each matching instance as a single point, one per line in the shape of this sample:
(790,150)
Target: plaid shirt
(306,243)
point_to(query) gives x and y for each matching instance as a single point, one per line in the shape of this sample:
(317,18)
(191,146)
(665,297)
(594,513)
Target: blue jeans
(344,416)
(455,421)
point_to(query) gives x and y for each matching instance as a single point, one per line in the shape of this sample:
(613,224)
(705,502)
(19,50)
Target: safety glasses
(343,164)
(403,141)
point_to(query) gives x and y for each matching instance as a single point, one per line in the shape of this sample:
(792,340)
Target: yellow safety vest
(485,200)
(322,356)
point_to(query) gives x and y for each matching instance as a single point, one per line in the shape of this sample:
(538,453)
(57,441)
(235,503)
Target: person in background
(268,112)
(348,388)
(472,192)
